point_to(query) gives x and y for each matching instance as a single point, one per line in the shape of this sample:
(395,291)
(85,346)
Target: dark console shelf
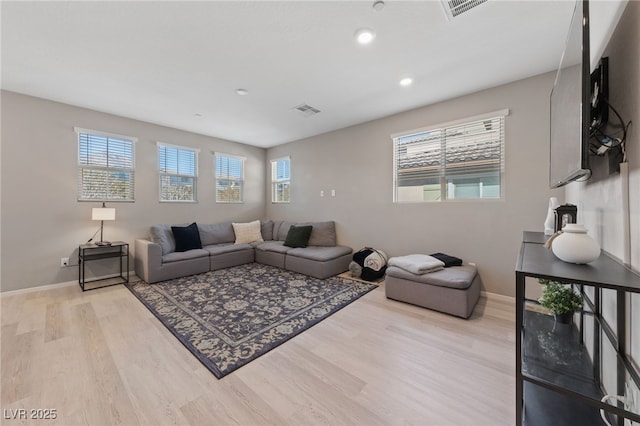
(549,408)
(537,261)
(559,366)
(90,252)
(552,353)
(98,256)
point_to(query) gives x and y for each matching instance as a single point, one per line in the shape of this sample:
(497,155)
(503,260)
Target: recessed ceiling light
(242,92)
(407,81)
(197,114)
(365,35)
(378,5)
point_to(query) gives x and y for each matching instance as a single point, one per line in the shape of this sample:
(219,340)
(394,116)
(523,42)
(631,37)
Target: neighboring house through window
(106,166)
(229,178)
(281,180)
(460,160)
(178,168)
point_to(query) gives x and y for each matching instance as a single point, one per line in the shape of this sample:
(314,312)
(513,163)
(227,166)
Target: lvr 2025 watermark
(30,414)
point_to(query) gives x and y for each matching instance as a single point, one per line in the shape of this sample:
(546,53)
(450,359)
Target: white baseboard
(38,288)
(132,278)
(498,297)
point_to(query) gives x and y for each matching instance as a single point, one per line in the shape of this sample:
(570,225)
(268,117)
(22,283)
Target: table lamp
(103,213)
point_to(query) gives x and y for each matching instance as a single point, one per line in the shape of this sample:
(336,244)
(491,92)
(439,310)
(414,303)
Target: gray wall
(357,163)
(42,220)
(599,199)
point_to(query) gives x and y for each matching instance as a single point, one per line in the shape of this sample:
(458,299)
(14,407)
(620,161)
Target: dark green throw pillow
(187,237)
(298,236)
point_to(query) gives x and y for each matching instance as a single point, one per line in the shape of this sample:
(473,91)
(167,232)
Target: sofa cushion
(274,246)
(186,237)
(216,233)
(177,256)
(283,230)
(162,235)
(226,248)
(266,229)
(323,234)
(247,232)
(459,277)
(276,229)
(298,236)
(320,254)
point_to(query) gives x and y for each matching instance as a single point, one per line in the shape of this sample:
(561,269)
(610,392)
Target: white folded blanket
(376,260)
(417,263)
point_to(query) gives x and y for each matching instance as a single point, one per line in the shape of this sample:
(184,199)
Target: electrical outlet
(64,261)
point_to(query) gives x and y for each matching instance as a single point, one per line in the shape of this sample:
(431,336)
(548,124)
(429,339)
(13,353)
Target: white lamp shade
(103,213)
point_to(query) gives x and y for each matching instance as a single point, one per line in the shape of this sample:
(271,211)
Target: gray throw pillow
(162,235)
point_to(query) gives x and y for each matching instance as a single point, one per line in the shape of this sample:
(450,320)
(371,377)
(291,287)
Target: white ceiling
(165,62)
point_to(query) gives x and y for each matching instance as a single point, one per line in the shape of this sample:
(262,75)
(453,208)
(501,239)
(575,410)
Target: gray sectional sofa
(156,258)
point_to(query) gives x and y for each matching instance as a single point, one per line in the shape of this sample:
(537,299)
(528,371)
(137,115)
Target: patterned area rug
(229,317)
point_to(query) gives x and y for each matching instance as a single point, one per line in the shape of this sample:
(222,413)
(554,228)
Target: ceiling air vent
(453,8)
(306,110)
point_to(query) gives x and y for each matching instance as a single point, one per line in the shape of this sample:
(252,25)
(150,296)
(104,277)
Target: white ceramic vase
(575,246)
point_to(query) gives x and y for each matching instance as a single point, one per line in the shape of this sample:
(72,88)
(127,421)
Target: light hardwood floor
(101,358)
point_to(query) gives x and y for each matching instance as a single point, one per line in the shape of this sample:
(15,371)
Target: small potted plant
(560,299)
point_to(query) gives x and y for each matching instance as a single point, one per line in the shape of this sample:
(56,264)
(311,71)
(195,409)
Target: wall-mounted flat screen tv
(570,105)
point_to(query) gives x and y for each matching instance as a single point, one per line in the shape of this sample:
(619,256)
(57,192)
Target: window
(229,178)
(105,166)
(281,180)
(454,161)
(178,168)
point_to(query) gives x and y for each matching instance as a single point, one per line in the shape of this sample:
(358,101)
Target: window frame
(501,114)
(275,181)
(81,167)
(228,178)
(162,174)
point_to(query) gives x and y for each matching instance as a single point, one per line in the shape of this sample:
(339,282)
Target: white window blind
(281,180)
(229,178)
(178,167)
(458,161)
(105,167)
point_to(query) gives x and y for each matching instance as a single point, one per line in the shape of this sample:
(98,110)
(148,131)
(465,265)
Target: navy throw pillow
(187,237)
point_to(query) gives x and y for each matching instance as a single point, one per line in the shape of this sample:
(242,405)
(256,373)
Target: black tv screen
(599,96)
(570,105)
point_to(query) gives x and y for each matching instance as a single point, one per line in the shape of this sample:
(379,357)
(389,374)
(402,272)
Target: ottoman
(454,290)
